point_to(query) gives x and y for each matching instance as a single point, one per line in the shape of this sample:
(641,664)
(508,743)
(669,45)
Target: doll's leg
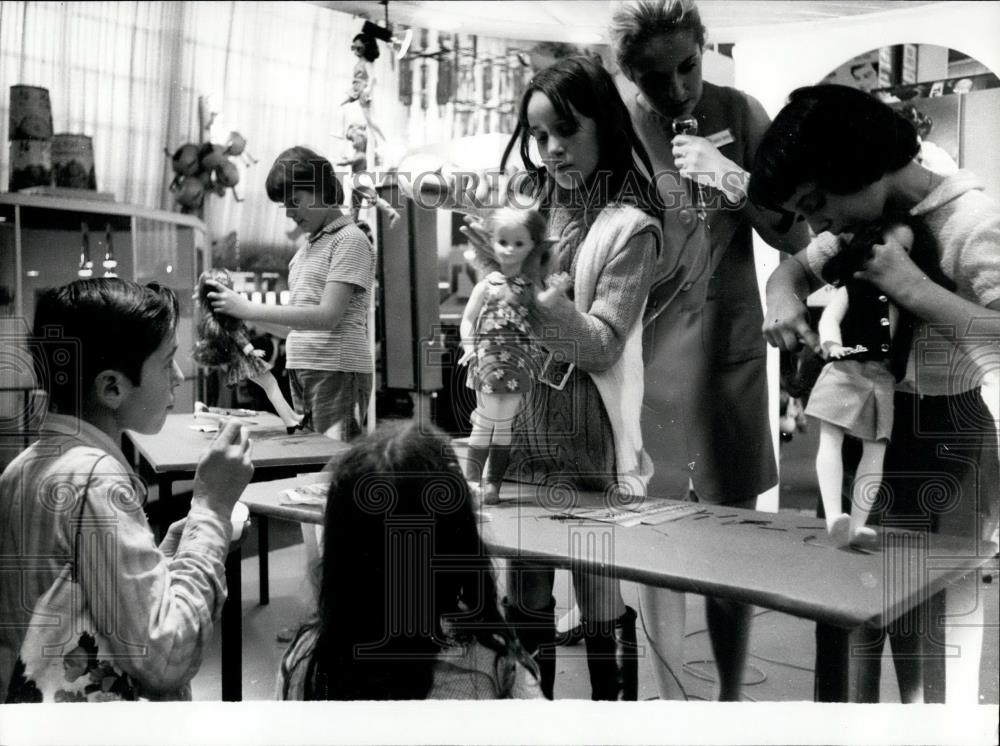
(830,475)
(479,443)
(502,410)
(372,127)
(866,483)
(267,381)
(663,614)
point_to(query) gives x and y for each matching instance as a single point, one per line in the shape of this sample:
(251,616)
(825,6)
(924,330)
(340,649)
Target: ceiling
(586,21)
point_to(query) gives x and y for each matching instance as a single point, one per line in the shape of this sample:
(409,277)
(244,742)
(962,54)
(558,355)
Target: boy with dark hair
(71,509)
(842,160)
(330,279)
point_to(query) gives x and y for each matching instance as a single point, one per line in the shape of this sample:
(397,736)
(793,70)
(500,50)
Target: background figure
(841,159)
(705,416)
(224,343)
(498,341)
(408,604)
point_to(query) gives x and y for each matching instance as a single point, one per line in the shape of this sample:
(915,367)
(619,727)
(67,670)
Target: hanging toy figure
(362,193)
(866,341)
(498,342)
(224,343)
(365,48)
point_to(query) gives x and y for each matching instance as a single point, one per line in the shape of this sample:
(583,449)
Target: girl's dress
(507,357)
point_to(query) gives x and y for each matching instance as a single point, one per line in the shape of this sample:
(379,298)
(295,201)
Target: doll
(360,192)
(866,341)
(223,342)
(365,48)
(498,341)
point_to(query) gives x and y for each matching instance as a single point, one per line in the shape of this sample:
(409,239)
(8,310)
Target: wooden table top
(177,448)
(781,561)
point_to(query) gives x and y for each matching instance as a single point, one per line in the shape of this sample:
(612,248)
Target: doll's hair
(841,267)
(403,543)
(216,346)
(529,217)
(371,52)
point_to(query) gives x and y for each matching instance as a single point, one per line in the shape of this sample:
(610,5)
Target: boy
(71,511)
(330,279)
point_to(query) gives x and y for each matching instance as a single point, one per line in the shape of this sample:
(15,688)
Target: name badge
(721,138)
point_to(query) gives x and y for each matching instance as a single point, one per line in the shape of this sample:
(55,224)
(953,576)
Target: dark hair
(300,167)
(88,326)
(635,24)
(583,84)
(405,572)
(921,122)
(216,345)
(838,137)
(371,52)
(859,66)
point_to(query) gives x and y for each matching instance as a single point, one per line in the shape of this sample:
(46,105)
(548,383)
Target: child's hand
(224,470)
(834,351)
(258,353)
(555,285)
(227,301)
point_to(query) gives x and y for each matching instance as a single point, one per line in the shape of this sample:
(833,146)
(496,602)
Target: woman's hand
(228,301)
(892,270)
(556,286)
(698,159)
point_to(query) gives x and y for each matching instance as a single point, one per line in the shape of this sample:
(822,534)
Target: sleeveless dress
(507,357)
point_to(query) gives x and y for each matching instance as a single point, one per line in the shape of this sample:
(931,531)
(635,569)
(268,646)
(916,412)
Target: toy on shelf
(224,344)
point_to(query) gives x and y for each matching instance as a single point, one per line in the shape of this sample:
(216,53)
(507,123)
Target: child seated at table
(408,604)
(131,619)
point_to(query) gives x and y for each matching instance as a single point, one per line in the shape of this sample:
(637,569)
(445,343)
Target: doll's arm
(371,196)
(470,316)
(829,324)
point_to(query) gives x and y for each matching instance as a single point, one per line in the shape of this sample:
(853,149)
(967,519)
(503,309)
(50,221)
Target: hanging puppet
(363,194)
(497,339)
(224,343)
(866,340)
(365,49)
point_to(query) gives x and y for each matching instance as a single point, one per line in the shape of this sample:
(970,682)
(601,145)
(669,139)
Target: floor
(781,654)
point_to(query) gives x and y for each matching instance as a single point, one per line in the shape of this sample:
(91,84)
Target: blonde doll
(224,343)
(498,340)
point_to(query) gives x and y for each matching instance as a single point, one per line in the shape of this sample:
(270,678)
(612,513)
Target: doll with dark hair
(365,48)
(224,343)
(866,341)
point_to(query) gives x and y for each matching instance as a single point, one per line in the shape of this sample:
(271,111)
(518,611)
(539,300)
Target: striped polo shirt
(338,252)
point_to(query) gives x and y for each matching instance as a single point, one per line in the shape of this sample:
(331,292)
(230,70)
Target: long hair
(582,84)
(371,51)
(216,346)
(405,573)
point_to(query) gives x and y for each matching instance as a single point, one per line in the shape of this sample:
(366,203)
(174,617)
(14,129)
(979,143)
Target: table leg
(832,677)
(262,553)
(232,630)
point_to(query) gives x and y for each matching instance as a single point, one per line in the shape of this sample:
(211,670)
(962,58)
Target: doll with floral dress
(498,341)
(866,341)
(224,343)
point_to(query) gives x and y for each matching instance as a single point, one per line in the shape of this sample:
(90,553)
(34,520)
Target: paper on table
(651,512)
(306,494)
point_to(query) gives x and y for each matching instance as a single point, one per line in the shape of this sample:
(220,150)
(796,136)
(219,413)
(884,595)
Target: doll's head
(215,345)
(910,232)
(366,47)
(517,236)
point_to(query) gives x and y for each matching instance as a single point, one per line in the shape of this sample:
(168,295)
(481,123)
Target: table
(172,455)
(721,551)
